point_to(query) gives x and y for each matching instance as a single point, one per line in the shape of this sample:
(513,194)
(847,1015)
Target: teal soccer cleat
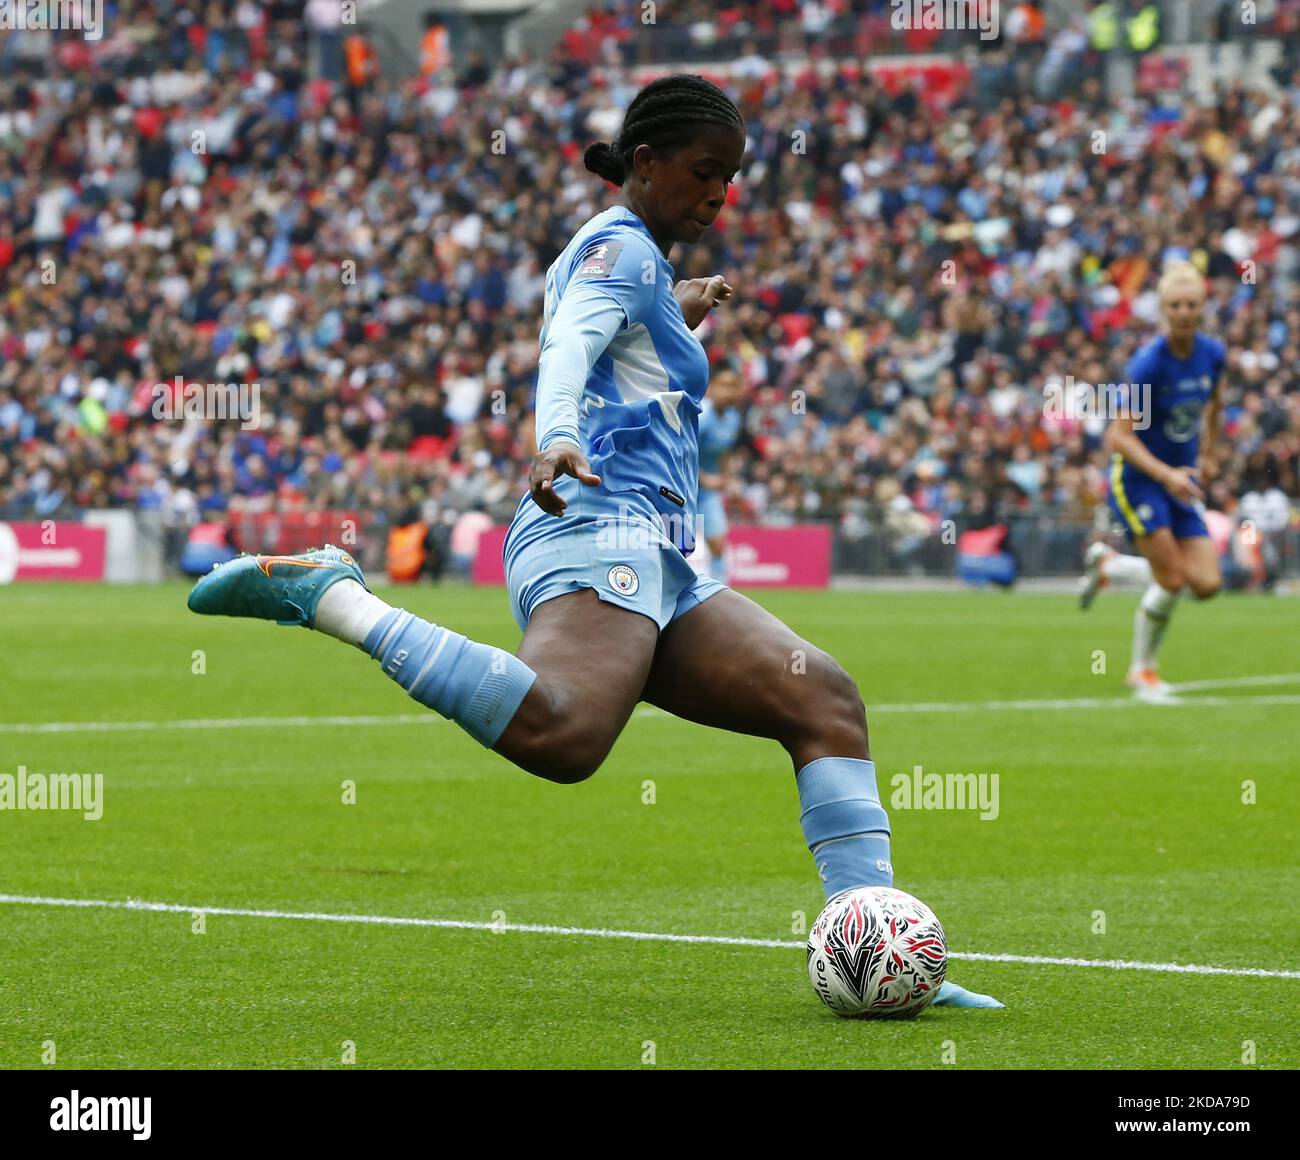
(285,589)
(951,995)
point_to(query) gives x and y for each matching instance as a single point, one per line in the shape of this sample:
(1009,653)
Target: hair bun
(603,161)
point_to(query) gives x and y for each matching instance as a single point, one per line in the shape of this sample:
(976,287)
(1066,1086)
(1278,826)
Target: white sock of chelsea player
(1149,624)
(1126,569)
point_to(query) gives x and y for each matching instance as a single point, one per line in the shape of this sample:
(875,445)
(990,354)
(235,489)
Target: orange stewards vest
(435,51)
(406,552)
(360,60)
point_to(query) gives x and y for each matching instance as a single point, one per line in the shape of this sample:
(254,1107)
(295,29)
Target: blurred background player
(722,422)
(1171,416)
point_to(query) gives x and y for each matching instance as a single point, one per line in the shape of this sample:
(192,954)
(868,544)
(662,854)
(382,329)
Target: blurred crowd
(1045,34)
(367,262)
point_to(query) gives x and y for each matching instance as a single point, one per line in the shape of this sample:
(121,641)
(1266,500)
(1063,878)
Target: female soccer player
(1172,413)
(720,427)
(611,611)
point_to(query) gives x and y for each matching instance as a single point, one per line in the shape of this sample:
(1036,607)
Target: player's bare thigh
(1175,564)
(1165,557)
(731,664)
(1201,566)
(591,659)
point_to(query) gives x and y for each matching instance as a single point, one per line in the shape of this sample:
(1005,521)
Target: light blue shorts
(614,543)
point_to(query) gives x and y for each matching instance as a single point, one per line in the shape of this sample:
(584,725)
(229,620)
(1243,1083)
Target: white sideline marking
(431,718)
(1126,965)
(219,723)
(1238,683)
(1130,702)
(640,935)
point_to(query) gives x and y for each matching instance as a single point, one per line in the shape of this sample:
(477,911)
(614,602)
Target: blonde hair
(1179,271)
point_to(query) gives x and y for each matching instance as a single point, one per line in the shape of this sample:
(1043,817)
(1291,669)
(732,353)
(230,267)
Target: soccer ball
(876,952)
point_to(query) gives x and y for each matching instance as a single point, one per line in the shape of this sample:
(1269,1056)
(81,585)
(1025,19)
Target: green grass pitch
(1131,817)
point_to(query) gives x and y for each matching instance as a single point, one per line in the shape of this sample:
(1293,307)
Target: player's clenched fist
(697,296)
(558,459)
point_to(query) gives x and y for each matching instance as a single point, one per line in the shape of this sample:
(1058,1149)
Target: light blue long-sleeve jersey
(620,374)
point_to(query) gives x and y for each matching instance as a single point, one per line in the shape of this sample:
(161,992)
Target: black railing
(1042,545)
(1048,543)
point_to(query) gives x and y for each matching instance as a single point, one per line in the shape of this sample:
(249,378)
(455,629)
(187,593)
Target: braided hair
(665,115)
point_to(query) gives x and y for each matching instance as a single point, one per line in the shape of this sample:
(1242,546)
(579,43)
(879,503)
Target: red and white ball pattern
(874,952)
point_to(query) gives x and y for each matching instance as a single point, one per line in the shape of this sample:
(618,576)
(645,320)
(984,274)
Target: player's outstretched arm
(585,323)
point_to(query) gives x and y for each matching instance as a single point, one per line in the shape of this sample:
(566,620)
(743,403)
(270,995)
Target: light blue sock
(844,824)
(477,686)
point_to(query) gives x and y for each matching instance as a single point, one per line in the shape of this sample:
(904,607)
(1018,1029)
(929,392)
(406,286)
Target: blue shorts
(1143,506)
(614,543)
(712,521)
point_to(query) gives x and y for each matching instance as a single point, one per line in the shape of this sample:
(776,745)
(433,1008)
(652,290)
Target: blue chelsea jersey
(640,409)
(1168,396)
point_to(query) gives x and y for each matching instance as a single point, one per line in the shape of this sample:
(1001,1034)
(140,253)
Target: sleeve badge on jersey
(598,260)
